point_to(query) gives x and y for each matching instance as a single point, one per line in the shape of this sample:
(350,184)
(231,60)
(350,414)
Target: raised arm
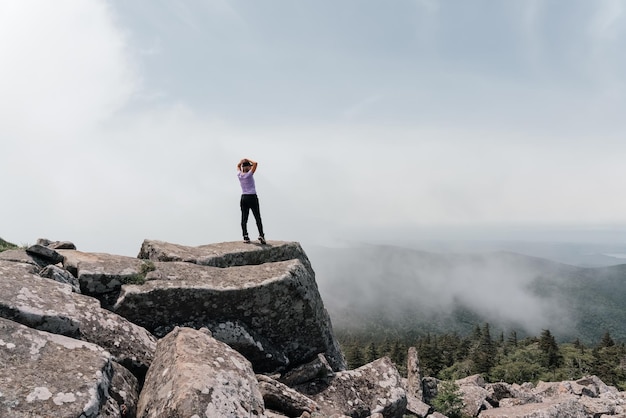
(254,164)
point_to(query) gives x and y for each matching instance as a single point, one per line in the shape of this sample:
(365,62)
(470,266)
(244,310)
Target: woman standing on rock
(249,199)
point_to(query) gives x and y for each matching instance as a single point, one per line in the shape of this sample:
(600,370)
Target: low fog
(399,285)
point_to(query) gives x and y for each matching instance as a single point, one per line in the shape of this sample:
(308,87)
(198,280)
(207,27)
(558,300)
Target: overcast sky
(123,120)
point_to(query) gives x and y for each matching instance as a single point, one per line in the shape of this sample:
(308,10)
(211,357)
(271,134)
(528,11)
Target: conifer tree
(371,352)
(354,357)
(551,356)
(607,341)
(484,353)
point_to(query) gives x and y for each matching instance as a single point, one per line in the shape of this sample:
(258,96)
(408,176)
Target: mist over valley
(392,290)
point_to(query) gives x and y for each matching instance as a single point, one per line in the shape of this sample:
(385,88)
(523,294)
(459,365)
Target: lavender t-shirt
(247,182)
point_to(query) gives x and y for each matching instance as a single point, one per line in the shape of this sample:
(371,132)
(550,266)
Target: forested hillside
(394,292)
(498,358)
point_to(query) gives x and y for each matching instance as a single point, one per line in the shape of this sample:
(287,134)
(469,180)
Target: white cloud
(95,158)
(65,67)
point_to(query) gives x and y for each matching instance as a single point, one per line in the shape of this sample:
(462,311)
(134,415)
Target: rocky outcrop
(50,306)
(586,397)
(258,307)
(241,331)
(270,312)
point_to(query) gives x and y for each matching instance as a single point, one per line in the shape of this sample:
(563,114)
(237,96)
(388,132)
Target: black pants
(250,201)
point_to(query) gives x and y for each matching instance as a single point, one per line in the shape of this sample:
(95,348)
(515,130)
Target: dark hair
(246,164)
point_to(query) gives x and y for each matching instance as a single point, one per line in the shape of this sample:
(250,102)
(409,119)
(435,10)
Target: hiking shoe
(246,240)
(262,240)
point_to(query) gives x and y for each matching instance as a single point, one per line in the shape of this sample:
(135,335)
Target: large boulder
(373,388)
(44,374)
(195,375)
(272,313)
(50,306)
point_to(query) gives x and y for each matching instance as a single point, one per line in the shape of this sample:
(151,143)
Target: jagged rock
(44,374)
(281,398)
(48,254)
(273,414)
(545,390)
(430,385)
(272,313)
(50,306)
(318,368)
(437,415)
(473,380)
(373,388)
(569,407)
(56,245)
(225,254)
(596,407)
(595,385)
(101,273)
(475,398)
(414,375)
(60,275)
(123,393)
(193,374)
(499,390)
(416,406)
(21,256)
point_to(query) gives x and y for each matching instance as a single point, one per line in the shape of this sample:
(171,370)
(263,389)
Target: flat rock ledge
(225,254)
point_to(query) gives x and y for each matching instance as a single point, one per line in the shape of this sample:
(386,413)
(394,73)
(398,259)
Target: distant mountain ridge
(396,290)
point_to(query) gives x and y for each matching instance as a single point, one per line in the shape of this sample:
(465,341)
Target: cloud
(124,124)
(66,68)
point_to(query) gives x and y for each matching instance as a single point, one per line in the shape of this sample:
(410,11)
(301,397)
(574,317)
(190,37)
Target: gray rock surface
(56,245)
(48,254)
(273,313)
(225,254)
(417,407)
(586,397)
(569,408)
(100,273)
(315,369)
(281,398)
(373,388)
(21,256)
(46,305)
(36,378)
(414,375)
(60,275)
(193,374)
